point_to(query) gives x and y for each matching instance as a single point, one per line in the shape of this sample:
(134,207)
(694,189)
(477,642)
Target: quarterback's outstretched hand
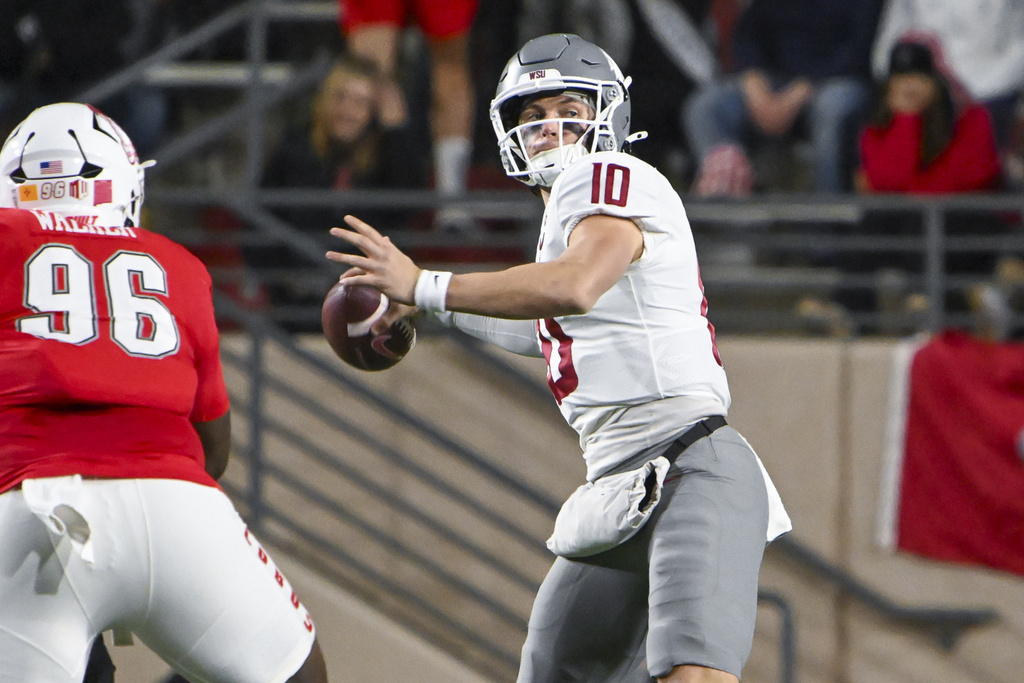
(395,312)
(383,266)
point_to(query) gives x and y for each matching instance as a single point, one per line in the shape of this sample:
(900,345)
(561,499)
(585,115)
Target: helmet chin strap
(546,166)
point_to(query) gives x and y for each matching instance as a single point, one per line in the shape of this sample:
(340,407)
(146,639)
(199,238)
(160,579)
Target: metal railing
(792,248)
(943,624)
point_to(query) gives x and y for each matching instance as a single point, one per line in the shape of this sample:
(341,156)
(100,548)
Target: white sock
(451,164)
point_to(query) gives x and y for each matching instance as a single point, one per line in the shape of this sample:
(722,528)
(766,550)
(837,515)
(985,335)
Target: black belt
(694,434)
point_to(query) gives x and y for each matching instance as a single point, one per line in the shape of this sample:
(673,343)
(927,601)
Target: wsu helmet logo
(535,75)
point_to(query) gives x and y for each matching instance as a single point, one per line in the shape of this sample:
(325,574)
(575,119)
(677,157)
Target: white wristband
(432,289)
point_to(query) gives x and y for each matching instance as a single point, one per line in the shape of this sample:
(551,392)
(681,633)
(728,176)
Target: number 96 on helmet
(348,314)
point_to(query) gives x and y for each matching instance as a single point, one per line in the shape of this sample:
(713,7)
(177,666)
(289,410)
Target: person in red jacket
(919,140)
(924,136)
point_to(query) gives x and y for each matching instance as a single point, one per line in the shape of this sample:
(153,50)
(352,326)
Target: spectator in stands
(356,136)
(804,68)
(982,46)
(924,136)
(373,29)
(919,138)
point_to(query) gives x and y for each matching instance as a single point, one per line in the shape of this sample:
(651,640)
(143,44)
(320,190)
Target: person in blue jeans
(802,69)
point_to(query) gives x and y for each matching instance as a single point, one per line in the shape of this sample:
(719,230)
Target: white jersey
(642,364)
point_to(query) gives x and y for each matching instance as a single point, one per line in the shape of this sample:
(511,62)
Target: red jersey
(108,352)
(970,163)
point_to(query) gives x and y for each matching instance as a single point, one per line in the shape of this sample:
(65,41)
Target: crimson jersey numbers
(557,348)
(609,184)
(60,290)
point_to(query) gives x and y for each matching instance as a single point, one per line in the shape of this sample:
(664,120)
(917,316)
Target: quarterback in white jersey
(646,341)
(659,552)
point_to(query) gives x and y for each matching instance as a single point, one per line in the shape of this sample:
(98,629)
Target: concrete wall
(816,411)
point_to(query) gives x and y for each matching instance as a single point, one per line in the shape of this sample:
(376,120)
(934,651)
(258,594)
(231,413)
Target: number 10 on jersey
(610,183)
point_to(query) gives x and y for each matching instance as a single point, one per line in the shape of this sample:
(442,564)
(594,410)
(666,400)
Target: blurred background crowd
(742,98)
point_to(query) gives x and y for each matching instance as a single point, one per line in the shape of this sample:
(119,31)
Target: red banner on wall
(956,485)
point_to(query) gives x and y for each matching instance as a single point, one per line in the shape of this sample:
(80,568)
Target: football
(348,313)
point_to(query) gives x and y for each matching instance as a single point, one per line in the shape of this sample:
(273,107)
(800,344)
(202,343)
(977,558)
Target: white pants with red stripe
(168,560)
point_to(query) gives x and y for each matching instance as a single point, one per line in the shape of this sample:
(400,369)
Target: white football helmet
(74,160)
(550,65)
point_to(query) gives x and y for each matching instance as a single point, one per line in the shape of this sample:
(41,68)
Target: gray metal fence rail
(791,244)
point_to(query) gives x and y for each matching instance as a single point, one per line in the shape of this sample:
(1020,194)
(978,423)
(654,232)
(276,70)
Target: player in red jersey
(114,428)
